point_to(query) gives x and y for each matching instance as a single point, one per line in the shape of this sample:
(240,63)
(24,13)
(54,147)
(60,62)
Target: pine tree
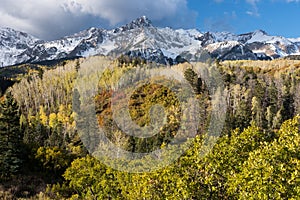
(10,138)
(192,77)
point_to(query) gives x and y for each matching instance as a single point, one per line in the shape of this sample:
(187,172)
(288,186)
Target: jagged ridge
(140,38)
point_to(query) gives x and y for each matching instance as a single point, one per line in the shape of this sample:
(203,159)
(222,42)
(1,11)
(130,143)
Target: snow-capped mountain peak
(259,36)
(12,44)
(140,38)
(141,22)
(9,36)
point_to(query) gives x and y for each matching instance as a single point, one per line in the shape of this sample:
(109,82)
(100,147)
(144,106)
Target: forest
(233,126)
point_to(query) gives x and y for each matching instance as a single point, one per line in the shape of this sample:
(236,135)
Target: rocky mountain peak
(140,22)
(143,21)
(9,33)
(206,39)
(262,32)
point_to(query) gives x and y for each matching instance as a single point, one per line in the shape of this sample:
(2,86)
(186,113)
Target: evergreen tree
(10,137)
(192,77)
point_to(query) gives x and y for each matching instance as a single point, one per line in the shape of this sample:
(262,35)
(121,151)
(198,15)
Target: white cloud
(255,14)
(117,11)
(254,10)
(54,18)
(219,1)
(252,2)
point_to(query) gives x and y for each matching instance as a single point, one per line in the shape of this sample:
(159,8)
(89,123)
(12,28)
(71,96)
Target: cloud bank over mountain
(51,19)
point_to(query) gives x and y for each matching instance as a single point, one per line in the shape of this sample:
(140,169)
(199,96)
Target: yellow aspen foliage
(53,120)
(43,116)
(63,114)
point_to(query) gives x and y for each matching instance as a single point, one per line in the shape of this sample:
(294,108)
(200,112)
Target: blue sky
(52,19)
(276,17)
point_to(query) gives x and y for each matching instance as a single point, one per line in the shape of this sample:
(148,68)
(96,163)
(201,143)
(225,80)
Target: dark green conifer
(196,82)
(10,137)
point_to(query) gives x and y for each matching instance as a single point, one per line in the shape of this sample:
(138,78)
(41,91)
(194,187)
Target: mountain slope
(13,44)
(141,39)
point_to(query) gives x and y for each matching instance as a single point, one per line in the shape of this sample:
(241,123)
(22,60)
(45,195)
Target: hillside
(223,130)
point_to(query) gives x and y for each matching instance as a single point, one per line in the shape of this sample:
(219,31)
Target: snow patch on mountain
(222,45)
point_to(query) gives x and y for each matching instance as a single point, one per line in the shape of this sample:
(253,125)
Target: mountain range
(140,38)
